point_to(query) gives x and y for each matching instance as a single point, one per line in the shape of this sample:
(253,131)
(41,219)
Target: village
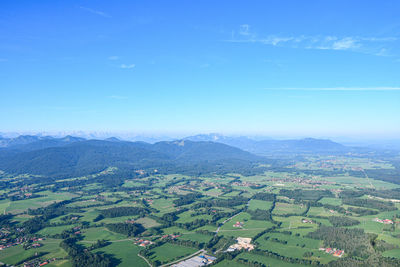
(333,251)
(25,241)
(384,221)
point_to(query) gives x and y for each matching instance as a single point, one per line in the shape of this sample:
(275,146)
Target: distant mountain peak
(112,139)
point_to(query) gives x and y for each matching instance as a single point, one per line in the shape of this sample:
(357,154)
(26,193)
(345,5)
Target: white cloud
(382,88)
(127,66)
(345,43)
(113,57)
(273,40)
(96,12)
(367,45)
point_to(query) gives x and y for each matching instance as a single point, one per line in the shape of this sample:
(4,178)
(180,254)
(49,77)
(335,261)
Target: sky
(273,68)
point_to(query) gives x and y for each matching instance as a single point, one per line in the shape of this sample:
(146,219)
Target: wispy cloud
(3,59)
(345,43)
(118,97)
(367,45)
(334,89)
(113,58)
(127,66)
(96,12)
(244,29)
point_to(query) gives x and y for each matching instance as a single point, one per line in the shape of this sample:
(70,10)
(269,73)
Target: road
(366,176)
(145,260)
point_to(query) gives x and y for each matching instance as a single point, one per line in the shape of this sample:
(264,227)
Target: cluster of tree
(226,256)
(387,175)
(382,245)
(277,240)
(362,212)
(389,193)
(123,211)
(259,214)
(43,215)
(187,199)
(129,229)
(35,224)
(81,257)
(99,244)
(5,219)
(55,209)
(265,196)
(67,233)
(98,218)
(205,232)
(301,194)
(370,203)
(232,202)
(168,218)
(252,263)
(70,217)
(23,196)
(351,193)
(354,241)
(335,208)
(193,224)
(278,256)
(340,221)
(373,260)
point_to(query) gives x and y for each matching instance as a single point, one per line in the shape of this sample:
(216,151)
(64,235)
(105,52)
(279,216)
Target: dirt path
(145,260)
(369,180)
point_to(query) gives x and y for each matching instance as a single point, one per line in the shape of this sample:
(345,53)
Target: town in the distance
(201,200)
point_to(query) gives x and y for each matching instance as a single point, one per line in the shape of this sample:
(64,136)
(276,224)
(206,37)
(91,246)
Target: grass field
(266,260)
(23,205)
(125,252)
(16,254)
(97,233)
(259,204)
(331,201)
(170,252)
(147,222)
(55,230)
(196,237)
(394,253)
(287,208)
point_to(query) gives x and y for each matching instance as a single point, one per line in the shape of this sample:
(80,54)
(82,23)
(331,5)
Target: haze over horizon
(302,69)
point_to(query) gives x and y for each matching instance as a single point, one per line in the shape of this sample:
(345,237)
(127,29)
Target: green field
(125,253)
(170,252)
(202,211)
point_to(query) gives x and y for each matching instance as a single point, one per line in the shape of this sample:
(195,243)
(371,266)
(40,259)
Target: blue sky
(277,68)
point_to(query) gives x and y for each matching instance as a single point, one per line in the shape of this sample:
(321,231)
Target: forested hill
(277,147)
(91,156)
(33,142)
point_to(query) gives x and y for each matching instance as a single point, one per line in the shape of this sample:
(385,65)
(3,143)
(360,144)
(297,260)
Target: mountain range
(274,147)
(73,156)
